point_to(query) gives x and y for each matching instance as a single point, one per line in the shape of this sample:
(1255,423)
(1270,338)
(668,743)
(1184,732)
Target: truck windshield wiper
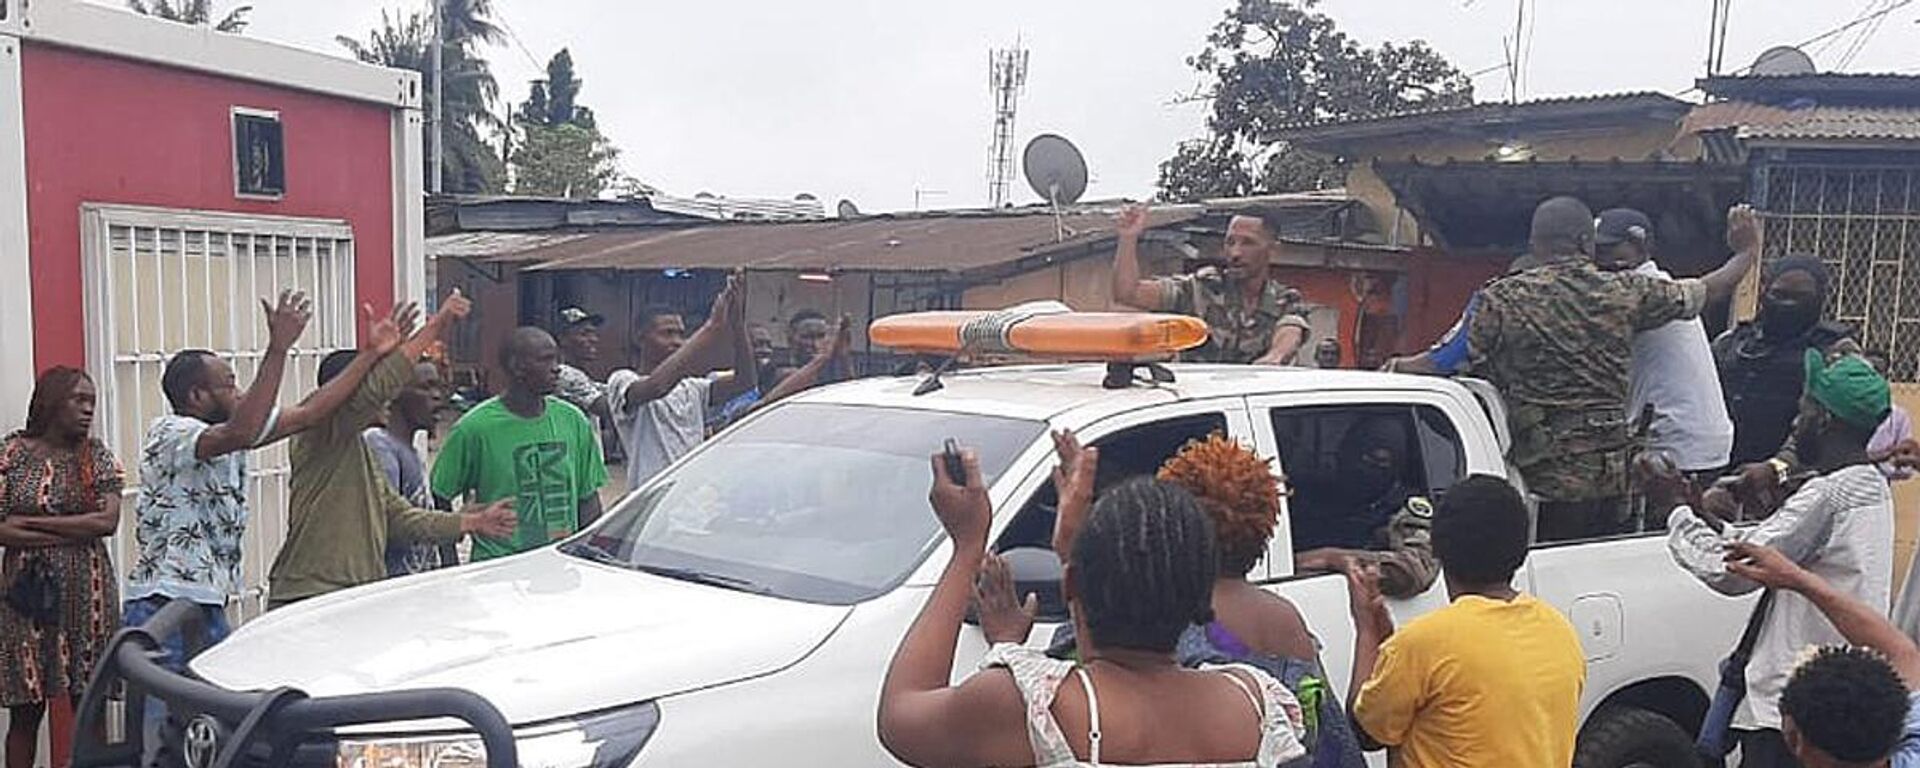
(710,579)
(586,549)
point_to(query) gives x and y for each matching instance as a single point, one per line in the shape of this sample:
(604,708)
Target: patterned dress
(39,662)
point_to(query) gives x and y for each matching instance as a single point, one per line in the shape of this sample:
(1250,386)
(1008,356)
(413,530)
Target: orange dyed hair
(1239,492)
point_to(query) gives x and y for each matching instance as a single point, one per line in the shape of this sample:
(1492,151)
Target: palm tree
(195,12)
(470,90)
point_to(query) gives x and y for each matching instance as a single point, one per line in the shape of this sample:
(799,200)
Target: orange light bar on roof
(1070,335)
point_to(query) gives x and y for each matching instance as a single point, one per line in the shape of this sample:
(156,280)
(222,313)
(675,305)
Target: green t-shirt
(545,464)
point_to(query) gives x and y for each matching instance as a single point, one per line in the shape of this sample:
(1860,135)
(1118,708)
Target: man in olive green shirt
(341,512)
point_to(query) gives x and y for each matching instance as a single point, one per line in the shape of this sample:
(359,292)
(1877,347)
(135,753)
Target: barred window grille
(1864,223)
(161,281)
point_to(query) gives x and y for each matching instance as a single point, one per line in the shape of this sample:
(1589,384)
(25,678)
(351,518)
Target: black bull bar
(211,727)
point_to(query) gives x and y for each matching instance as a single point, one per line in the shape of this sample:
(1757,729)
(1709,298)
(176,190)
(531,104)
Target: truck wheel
(1628,737)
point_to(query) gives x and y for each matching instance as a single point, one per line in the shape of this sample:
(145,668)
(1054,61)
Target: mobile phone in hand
(956,466)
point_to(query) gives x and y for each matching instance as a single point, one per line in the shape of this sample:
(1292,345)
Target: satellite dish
(848,210)
(1055,169)
(1783,60)
(805,197)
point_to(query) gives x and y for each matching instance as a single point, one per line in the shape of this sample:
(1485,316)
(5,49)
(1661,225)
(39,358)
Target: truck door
(1435,438)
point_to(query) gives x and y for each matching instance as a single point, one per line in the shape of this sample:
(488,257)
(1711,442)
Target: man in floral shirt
(191,516)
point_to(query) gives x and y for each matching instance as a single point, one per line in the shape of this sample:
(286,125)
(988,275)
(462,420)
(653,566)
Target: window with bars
(1864,223)
(160,281)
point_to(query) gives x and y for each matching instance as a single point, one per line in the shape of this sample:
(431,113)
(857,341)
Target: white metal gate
(161,281)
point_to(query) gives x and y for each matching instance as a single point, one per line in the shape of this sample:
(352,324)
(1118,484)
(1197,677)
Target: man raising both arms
(662,413)
(1251,317)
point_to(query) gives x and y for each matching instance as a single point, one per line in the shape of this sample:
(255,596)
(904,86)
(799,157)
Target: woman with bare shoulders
(1140,567)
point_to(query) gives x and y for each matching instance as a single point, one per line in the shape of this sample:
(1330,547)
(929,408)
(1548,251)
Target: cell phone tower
(1006,77)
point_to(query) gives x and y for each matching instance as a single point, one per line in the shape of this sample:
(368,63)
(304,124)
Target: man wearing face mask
(1369,514)
(1760,361)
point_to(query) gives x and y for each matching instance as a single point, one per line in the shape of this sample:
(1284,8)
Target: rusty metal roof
(1635,105)
(1765,123)
(907,243)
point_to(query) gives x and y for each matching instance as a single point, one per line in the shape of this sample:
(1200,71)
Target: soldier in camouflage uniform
(1252,317)
(1368,513)
(1557,340)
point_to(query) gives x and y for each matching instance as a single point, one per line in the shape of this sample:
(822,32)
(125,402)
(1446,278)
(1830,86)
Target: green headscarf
(1849,388)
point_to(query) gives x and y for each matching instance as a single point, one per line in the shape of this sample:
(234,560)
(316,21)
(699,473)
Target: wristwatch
(1780,467)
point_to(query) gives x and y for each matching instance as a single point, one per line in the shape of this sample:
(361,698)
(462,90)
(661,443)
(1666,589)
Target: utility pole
(439,130)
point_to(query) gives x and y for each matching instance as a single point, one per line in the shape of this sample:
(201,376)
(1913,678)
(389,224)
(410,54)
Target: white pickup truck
(741,608)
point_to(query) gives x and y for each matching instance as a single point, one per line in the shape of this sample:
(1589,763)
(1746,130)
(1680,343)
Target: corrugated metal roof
(1764,122)
(488,245)
(1490,113)
(1831,87)
(945,243)
(1840,124)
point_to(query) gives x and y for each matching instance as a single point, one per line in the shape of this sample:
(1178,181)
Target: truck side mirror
(1037,571)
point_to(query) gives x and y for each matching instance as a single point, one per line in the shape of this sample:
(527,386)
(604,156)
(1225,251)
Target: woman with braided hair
(1140,567)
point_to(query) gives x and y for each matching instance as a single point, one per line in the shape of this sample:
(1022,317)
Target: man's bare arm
(1128,287)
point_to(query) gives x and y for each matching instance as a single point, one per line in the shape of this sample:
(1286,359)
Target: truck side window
(1124,455)
(1351,469)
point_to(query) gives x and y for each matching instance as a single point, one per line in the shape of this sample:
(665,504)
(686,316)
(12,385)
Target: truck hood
(542,635)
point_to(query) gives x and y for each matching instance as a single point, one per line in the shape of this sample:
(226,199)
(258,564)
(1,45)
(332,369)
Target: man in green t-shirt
(525,445)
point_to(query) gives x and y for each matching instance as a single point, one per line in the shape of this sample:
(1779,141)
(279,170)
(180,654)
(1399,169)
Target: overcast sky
(871,100)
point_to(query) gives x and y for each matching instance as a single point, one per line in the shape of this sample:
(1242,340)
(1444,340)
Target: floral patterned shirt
(191,517)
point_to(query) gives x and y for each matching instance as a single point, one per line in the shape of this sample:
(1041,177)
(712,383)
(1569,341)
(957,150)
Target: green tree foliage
(471,164)
(195,12)
(564,160)
(1273,63)
(561,152)
(555,100)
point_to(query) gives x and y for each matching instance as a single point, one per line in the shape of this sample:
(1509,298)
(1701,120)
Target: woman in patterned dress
(59,500)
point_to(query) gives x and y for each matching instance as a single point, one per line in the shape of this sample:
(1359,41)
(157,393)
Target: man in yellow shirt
(1493,679)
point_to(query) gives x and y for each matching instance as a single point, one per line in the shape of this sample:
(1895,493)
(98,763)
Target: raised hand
(1073,480)
(842,338)
(961,503)
(1744,233)
(386,334)
(1364,599)
(1131,222)
(490,521)
(1765,565)
(721,315)
(287,319)
(1003,617)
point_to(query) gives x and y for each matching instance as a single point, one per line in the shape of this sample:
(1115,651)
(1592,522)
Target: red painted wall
(106,130)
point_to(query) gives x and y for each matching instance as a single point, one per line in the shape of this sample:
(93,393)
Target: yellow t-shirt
(1478,683)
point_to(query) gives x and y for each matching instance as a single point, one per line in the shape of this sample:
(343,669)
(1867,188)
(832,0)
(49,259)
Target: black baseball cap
(1618,225)
(574,316)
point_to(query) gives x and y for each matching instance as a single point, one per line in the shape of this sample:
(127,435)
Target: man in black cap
(578,332)
(1673,370)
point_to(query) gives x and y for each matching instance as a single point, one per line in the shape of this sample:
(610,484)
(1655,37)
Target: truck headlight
(605,740)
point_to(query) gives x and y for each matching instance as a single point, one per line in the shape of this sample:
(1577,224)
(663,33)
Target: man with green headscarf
(1839,525)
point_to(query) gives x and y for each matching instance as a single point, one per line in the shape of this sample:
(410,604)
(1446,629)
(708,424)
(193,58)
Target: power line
(1860,43)
(1881,14)
(532,60)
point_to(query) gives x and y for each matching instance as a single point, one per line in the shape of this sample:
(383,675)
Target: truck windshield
(821,503)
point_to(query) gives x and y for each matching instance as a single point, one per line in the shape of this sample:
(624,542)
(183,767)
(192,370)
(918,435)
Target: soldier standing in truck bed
(1557,341)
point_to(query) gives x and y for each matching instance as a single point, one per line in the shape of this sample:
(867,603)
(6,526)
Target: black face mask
(1788,320)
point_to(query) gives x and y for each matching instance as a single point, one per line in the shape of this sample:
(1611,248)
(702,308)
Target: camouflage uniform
(1403,550)
(1557,341)
(1237,335)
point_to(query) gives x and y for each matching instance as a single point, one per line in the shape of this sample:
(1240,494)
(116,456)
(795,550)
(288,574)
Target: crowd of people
(1767,455)
(363,504)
